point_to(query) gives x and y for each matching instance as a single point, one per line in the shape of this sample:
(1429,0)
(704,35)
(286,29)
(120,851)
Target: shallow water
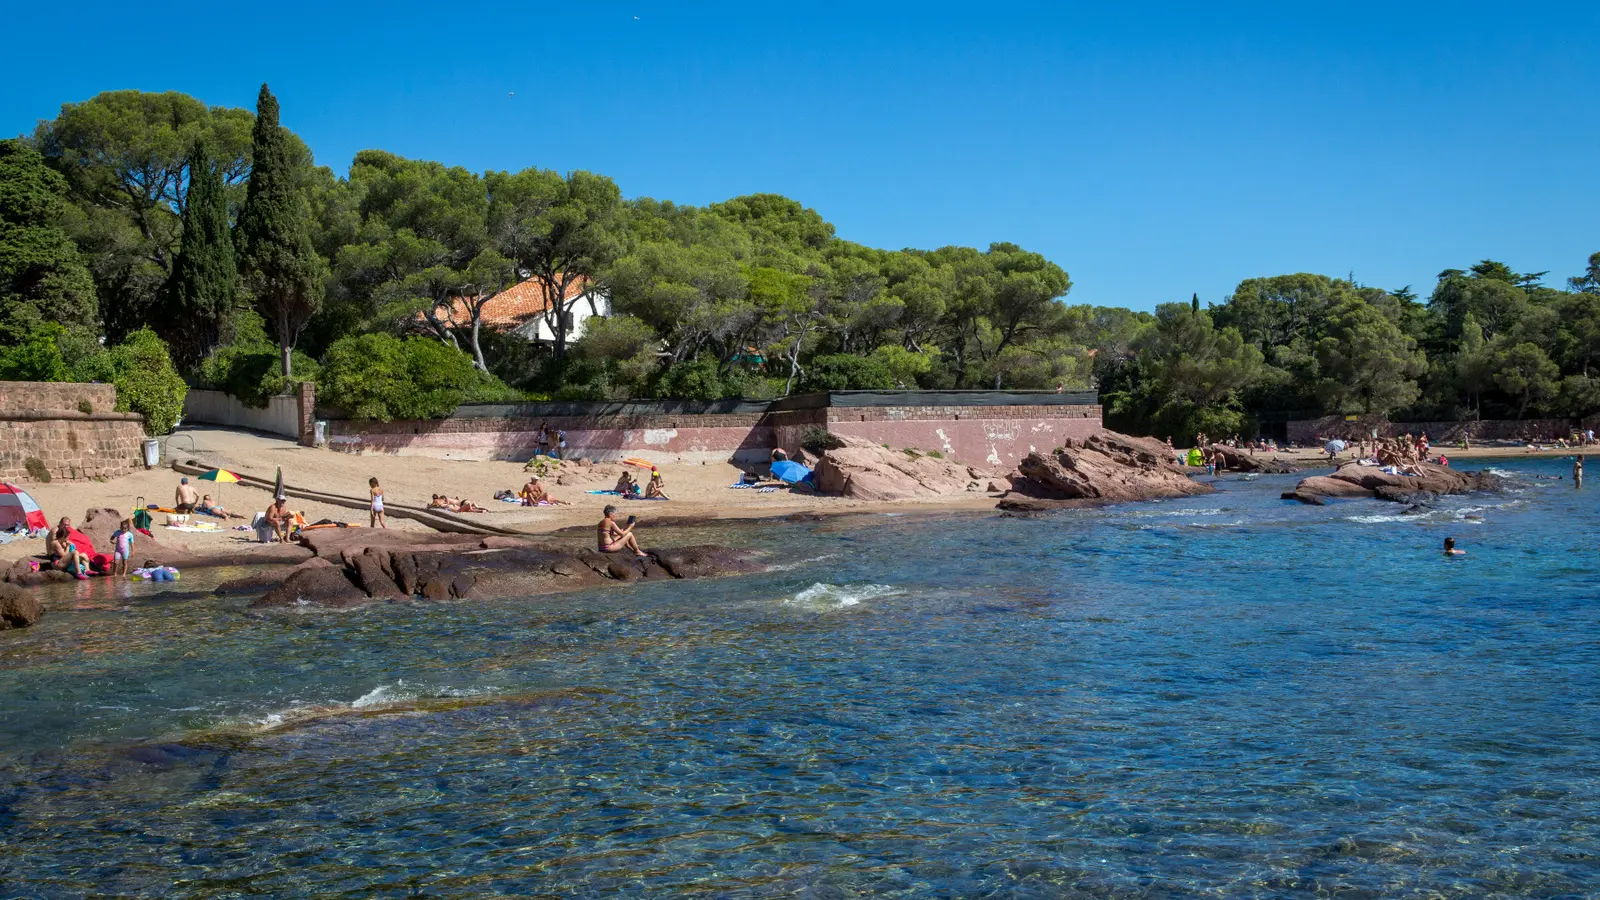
(1224,696)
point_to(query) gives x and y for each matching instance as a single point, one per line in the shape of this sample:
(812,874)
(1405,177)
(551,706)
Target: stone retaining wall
(71,430)
(995,435)
(1307,432)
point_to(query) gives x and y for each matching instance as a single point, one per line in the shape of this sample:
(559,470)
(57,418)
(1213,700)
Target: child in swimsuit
(377,504)
(121,547)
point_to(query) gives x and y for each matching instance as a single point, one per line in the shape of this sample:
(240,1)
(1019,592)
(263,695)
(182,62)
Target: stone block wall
(678,437)
(47,422)
(992,436)
(1309,432)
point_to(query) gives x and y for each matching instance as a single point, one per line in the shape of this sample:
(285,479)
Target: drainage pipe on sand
(438,520)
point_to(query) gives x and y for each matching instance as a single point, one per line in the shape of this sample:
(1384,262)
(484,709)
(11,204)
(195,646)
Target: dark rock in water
(1306,498)
(18,608)
(1105,468)
(323,586)
(265,580)
(384,573)
(1236,460)
(1416,510)
(369,571)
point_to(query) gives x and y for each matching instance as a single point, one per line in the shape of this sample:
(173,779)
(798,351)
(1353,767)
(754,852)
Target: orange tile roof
(513,307)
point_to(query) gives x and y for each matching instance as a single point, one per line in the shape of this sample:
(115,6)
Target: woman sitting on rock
(64,554)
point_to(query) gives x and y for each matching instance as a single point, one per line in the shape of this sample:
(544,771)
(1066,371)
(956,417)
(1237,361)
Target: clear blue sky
(1150,151)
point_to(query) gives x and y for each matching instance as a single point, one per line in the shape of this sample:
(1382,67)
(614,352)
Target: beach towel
(610,493)
(767,490)
(197,528)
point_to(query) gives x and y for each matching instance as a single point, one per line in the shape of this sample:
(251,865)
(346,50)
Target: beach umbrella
(18,508)
(277,488)
(221,476)
(791,471)
(1334,447)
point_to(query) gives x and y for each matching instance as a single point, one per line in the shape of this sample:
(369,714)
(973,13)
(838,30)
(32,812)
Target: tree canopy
(213,227)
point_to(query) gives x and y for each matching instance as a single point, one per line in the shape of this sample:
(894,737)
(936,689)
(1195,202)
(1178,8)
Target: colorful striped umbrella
(17,508)
(222,475)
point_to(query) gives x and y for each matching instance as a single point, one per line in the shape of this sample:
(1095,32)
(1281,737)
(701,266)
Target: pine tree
(275,253)
(200,292)
(42,278)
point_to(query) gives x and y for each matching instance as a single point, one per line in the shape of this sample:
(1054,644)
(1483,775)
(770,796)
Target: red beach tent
(17,508)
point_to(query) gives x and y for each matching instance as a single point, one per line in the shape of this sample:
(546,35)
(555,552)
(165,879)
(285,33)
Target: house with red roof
(520,310)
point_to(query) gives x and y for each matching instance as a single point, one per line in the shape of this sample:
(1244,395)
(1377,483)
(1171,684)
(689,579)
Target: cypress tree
(275,253)
(1194,302)
(200,292)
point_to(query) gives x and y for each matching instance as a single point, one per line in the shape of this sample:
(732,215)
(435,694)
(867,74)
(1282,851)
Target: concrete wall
(1316,431)
(72,430)
(681,438)
(282,415)
(995,436)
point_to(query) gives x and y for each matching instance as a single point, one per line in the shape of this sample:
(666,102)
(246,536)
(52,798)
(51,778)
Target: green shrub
(38,358)
(36,469)
(378,376)
(85,407)
(141,368)
(844,372)
(253,373)
(699,379)
(817,439)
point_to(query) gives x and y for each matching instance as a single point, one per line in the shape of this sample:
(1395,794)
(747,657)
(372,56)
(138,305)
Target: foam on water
(823,596)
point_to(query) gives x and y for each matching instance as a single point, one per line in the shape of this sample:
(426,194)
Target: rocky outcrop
(862,470)
(1236,460)
(18,608)
(1352,480)
(403,569)
(1104,468)
(1303,497)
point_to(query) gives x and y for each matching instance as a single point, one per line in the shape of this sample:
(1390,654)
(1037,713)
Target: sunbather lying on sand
(454,504)
(209,508)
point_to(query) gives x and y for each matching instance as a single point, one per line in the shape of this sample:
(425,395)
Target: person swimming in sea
(1577,471)
(1450,548)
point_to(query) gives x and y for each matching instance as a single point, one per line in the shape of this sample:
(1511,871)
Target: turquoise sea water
(1224,696)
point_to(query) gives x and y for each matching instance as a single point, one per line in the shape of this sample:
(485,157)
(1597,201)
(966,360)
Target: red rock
(1107,468)
(18,608)
(862,470)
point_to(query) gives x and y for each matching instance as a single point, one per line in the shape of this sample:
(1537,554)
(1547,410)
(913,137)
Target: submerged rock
(380,573)
(18,608)
(1236,460)
(1104,468)
(1304,497)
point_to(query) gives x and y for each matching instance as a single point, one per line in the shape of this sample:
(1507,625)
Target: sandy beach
(697,491)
